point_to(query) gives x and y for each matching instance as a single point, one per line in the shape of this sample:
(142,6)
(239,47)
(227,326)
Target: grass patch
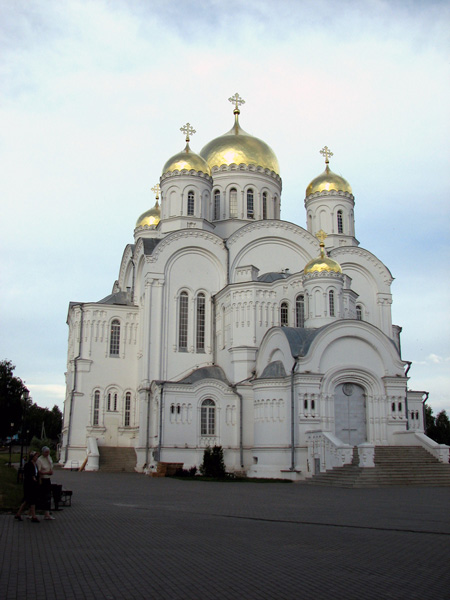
(11,492)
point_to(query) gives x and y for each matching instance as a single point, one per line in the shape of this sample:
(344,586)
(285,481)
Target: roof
(205,373)
(269,277)
(122,298)
(300,339)
(150,244)
(274,369)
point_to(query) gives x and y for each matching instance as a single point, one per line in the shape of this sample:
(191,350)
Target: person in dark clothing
(30,488)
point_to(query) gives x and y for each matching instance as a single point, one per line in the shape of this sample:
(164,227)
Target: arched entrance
(350,413)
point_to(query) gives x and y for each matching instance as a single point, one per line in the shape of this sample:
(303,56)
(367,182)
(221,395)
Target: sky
(92,97)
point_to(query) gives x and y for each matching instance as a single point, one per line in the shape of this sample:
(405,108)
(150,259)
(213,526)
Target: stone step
(116,459)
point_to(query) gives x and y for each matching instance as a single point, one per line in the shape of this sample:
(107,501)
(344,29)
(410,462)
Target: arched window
(95,415)
(359,312)
(112,401)
(264,205)
(190,203)
(233,203)
(216,205)
(200,328)
(183,321)
(208,417)
(114,340)
(340,223)
(300,311)
(126,419)
(284,314)
(331,302)
(250,205)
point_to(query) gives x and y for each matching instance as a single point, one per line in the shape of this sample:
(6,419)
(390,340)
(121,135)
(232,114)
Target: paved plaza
(128,536)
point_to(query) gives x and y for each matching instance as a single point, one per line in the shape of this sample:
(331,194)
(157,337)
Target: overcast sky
(92,97)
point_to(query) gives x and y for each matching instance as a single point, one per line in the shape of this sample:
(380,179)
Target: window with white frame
(96,412)
(300,311)
(340,222)
(359,312)
(331,302)
(250,204)
(233,203)
(112,401)
(183,321)
(114,340)
(217,205)
(264,205)
(200,325)
(284,314)
(190,203)
(127,413)
(208,417)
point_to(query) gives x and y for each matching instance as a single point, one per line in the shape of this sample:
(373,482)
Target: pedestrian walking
(45,466)
(30,488)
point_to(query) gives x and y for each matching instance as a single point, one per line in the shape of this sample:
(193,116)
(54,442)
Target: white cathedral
(229,326)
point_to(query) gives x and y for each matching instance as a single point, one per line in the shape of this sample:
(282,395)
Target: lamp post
(10,442)
(25,397)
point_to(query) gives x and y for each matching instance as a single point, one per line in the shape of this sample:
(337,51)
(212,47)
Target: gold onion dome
(323,263)
(239,147)
(186,159)
(328,180)
(152,216)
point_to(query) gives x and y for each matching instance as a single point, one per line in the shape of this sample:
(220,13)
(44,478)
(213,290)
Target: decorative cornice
(269,224)
(183,234)
(363,253)
(325,193)
(249,168)
(323,275)
(184,172)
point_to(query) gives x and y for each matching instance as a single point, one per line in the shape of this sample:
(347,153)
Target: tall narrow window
(96,408)
(359,312)
(300,311)
(250,205)
(183,321)
(200,341)
(208,418)
(331,302)
(114,341)
(190,203)
(126,420)
(217,205)
(115,402)
(340,223)
(264,205)
(284,314)
(112,401)
(233,203)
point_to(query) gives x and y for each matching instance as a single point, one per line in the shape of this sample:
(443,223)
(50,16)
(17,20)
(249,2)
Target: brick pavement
(128,536)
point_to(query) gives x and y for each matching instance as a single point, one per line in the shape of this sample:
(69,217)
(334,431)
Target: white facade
(215,333)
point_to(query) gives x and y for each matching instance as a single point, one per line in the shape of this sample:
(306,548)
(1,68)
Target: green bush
(213,465)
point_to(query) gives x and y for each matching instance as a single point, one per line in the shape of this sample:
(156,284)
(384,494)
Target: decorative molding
(184,172)
(330,193)
(252,168)
(367,256)
(270,224)
(184,234)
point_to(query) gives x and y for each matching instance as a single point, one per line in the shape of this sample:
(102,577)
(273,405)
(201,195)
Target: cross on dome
(188,130)
(321,235)
(237,100)
(327,153)
(156,189)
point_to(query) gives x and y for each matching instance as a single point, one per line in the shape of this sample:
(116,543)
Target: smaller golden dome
(328,180)
(186,159)
(323,263)
(150,217)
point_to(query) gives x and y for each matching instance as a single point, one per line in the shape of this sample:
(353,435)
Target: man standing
(45,466)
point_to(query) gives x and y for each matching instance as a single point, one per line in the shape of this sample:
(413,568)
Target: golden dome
(150,217)
(328,180)
(239,147)
(186,159)
(322,264)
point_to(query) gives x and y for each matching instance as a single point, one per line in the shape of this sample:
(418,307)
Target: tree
(438,428)
(213,464)
(11,390)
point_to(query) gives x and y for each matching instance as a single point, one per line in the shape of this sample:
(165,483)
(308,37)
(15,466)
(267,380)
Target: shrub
(213,465)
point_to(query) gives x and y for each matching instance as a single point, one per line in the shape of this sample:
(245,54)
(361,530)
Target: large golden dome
(186,159)
(328,180)
(239,147)
(322,264)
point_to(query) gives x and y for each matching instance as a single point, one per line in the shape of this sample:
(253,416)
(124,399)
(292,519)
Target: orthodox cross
(321,235)
(237,100)
(156,189)
(327,153)
(188,130)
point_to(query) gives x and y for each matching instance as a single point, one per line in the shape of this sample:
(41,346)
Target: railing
(326,451)
(92,454)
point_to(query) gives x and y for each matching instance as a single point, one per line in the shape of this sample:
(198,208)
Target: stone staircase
(394,465)
(113,460)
